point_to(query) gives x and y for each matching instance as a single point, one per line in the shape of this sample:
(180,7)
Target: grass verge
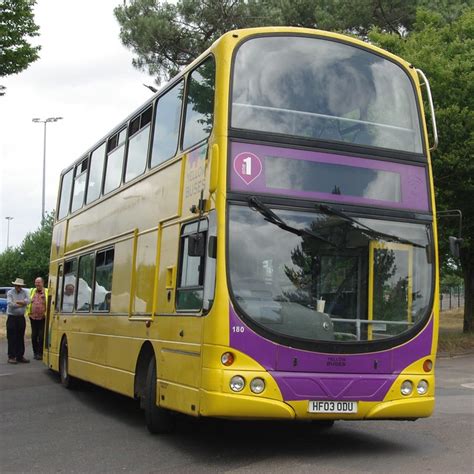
(452,341)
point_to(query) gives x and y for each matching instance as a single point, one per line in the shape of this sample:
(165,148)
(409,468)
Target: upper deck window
(65,198)
(80,177)
(139,133)
(324,90)
(167,115)
(95,174)
(200,104)
(115,155)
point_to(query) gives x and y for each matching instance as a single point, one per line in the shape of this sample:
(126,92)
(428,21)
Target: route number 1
(247,166)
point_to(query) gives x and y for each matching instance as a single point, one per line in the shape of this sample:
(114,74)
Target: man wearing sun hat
(17,301)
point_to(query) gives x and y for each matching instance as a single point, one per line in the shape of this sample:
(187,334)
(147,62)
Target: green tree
(17,26)
(31,258)
(451,282)
(10,266)
(165,37)
(444,50)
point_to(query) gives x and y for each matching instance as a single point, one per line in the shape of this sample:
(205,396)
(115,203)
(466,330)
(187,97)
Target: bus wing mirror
(196,245)
(455,246)
(430,102)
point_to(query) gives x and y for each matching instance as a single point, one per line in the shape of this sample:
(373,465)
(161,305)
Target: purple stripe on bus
(414,190)
(367,376)
(296,386)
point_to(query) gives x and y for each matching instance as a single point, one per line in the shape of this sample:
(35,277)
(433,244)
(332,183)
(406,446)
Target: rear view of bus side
(257,241)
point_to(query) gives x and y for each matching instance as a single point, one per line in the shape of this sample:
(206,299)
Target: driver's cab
(358,293)
(271,299)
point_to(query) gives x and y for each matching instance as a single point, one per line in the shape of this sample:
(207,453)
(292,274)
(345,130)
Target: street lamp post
(8,218)
(45,122)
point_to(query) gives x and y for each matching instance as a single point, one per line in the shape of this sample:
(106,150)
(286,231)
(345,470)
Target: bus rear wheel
(66,380)
(158,420)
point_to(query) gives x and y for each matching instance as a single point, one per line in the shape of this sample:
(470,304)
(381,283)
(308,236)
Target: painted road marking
(468,385)
(3,375)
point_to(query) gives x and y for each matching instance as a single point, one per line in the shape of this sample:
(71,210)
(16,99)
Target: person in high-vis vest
(36,310)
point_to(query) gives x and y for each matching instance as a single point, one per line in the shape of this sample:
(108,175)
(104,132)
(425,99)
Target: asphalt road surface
(46,428)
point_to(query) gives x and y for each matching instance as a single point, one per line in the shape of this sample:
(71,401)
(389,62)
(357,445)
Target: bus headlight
(257,385)
(422,387)
(406,388)
(237,383)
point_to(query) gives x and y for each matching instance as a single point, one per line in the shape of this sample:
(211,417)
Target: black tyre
(66,380)
(158,420)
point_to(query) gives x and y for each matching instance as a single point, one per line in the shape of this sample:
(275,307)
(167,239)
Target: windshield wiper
(329,210)
(256,205)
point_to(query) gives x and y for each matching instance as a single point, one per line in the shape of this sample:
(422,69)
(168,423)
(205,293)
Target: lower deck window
(87,283)
(69,289)
(104,264)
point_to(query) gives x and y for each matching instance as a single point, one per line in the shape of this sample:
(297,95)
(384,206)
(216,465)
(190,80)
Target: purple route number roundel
(248,167)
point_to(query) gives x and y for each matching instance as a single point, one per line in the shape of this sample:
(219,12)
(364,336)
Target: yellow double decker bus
(257,241)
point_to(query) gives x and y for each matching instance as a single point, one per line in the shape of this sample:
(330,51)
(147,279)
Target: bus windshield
(324,90)
(291,271)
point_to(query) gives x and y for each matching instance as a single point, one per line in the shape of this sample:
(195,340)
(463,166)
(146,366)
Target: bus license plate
(327,406)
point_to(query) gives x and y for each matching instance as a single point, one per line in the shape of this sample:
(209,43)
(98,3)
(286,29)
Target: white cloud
(85,75)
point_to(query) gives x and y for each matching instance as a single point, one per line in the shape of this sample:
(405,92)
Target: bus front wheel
(158,420)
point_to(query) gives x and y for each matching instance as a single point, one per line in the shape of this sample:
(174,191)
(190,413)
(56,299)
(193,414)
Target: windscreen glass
(323,277)
(324,90)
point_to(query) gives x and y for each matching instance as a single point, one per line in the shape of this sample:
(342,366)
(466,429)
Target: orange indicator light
(227,358)
(428,365)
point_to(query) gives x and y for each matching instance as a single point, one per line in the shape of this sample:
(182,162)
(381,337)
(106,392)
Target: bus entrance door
(51,350)
(179,323)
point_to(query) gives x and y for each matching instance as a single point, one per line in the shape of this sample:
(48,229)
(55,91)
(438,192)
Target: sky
(84,75)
